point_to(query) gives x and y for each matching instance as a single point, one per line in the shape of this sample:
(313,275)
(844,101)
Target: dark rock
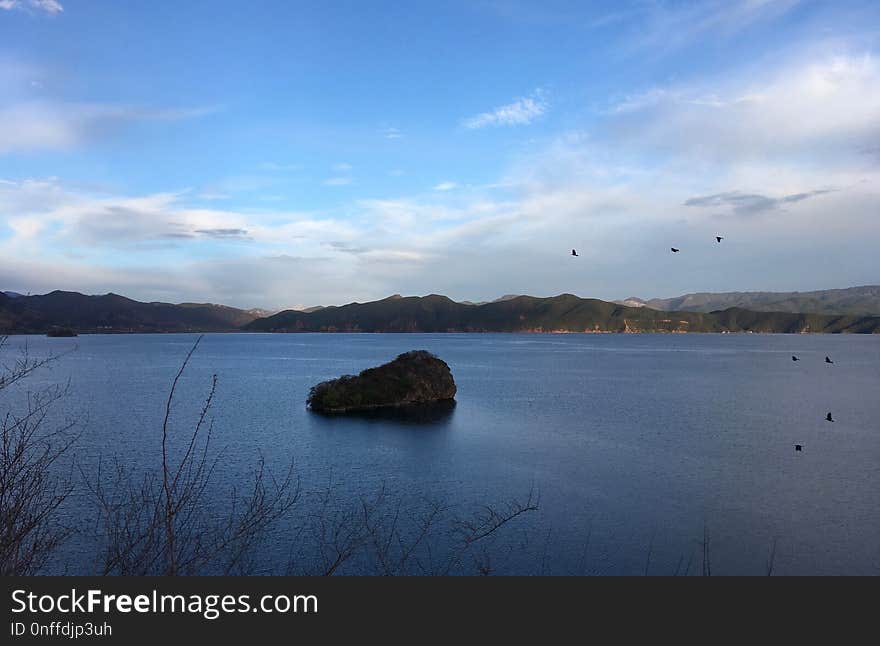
(415,377)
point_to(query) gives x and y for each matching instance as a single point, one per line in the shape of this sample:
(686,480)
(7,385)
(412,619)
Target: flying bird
(798,447)
(828,418)
(719,238)
(794,358)
(674,250)
(573,252)
(828,360)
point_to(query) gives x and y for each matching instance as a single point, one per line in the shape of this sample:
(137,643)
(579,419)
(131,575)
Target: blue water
(635,443)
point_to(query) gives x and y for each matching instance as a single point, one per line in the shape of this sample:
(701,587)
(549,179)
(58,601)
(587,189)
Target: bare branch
(31,492)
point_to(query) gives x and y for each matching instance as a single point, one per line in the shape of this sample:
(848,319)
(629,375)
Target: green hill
(563,313)
(114,313)
(861,301)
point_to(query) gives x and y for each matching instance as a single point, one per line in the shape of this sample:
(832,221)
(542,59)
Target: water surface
(636,443)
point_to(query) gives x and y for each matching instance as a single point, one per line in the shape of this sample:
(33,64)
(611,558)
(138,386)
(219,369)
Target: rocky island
(415,377)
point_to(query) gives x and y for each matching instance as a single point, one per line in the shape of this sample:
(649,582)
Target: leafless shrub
(30,494)
(393,535)
(162,524)
(707,560)
(771,557)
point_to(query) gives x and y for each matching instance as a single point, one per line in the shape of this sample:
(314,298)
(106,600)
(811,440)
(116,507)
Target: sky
(282,154)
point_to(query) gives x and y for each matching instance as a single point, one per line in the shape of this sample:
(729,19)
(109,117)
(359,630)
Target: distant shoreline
(436,332)
(432,314)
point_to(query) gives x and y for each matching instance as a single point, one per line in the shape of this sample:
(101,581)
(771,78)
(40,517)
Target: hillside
(861,301)
(114,313)
(563,313)
(111,313)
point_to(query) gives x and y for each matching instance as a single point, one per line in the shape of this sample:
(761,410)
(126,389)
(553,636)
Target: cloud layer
(828,105)
(51,7)
(520,112)
(43,125)
(750,203)
(777,155)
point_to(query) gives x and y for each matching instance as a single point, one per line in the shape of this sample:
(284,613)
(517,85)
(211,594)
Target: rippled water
(636,443)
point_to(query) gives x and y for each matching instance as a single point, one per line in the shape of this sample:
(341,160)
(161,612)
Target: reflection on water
(437,413)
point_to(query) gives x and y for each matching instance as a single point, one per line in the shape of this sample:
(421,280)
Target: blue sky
(279,154)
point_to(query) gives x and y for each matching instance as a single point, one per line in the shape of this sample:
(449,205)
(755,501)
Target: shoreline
(474,332)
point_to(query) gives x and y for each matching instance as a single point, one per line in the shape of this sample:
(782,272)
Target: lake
(636,444)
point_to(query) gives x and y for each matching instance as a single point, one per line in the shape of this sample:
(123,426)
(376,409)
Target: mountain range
(114,313)
(563,313)
(862,301)
(111,313)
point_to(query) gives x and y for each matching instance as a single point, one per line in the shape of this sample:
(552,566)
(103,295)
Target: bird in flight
(794,358)
(573,252)
(828,418)
(828,360)
(674,250)
(719,238)
(798,447)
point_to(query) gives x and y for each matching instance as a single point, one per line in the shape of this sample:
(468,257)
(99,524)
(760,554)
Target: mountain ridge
(113,313)
(562,313)
(862,300)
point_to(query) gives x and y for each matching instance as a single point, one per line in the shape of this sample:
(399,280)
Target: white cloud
(563,194)
(668,167)
(445,186)
(46,212)
(43,125)
(810,108)
(663,27)
(521,112)
(337,181)
(342,167)
(392,133)
(32,127)
(51,7)
(747,204)
(31,119)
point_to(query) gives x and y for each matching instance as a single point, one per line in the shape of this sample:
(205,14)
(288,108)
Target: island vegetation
(413,378)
